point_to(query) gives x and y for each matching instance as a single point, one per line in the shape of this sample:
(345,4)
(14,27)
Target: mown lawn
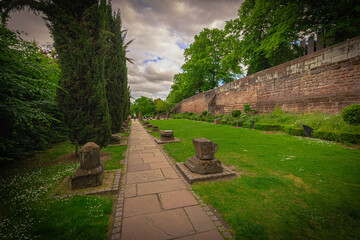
(291,187)
(28,212)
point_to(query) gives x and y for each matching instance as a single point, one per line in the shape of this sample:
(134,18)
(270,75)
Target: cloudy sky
(162,29)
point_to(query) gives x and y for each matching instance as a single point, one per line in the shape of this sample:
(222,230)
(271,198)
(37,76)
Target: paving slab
(139,167)
(199,219)
(157,226)
(211,235)
(176,199)
(154,159)
(130,190)
(144,176)
(160,186)
(141,205)
(135,161)
(169,173)
(155,165)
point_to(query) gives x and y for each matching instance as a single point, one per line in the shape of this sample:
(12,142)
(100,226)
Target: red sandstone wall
(327,81)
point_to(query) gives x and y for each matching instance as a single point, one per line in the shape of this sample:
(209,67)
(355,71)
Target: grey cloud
(157,26)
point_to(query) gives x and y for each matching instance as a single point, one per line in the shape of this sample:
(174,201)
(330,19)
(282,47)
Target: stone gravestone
(155,128)
(308,131)
(217,121)
(204,161)
(166,135)
(115,139)
(91,171)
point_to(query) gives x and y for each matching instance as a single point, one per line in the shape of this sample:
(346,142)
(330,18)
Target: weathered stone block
(167,135)
(89,156)
(155,128)
(197,165)
(204,148)
(91,171)
(88,178)
(217,121)
(115,139)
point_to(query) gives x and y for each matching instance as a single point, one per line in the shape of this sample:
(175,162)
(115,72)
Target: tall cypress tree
(116,72)
(76,29)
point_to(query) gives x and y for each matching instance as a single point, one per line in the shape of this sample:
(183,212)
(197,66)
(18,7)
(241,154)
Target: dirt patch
(299,182)
(104,156)
(70,158)
(273,132)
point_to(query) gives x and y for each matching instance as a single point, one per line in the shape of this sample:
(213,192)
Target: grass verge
(26,212)
(292,187)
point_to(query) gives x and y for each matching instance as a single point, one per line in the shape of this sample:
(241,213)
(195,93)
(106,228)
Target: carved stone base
(88,178)
(203,166)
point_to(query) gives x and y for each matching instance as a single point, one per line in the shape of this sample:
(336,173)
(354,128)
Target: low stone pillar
(204,161)
(115,139)
(166,135)
(91,170)
(149,125)
(146,123)
(217,121)
(155,128)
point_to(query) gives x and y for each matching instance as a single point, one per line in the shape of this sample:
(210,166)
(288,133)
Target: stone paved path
(157,203)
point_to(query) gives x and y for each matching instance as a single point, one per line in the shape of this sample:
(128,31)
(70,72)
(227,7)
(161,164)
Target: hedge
(267,127)
(338,136)
(326,135)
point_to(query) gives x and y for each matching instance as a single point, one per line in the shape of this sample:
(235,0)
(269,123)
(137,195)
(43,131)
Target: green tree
(144,105)
(208,64)
(161,105)
(30,116)
(115,69)
(266,32)
(78,36)
(206,61)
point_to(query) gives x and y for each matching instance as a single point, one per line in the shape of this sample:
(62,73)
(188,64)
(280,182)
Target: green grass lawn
(27,212)
(117,154)
(292,187)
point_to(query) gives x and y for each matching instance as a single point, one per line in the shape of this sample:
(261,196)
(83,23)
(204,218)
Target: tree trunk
(76,148)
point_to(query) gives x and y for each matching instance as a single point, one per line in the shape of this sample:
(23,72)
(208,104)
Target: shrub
(351,114)
(293,131)
(337,136)
(248,109)
(204,113)
(236,113)
(267,127)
